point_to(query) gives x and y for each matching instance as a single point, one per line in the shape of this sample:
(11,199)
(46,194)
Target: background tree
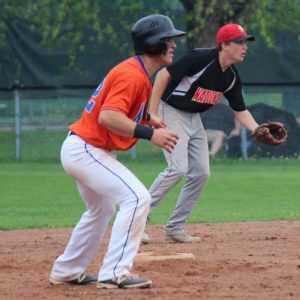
(264,17)
(101,29)
(80,24)
(69,20)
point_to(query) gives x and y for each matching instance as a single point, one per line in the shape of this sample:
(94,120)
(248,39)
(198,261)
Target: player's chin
(167,58)
(239,59)
(242,57)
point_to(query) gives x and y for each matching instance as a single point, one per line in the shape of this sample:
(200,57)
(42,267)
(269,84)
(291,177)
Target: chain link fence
(33,123)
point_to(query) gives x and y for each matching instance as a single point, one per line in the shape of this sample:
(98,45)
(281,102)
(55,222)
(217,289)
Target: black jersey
(198,82)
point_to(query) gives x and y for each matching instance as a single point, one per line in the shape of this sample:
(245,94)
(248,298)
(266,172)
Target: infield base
(150,256)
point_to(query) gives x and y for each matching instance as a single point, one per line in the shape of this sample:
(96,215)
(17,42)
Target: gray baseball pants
(189,159)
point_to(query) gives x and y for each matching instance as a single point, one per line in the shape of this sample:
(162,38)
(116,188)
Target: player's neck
(150,65)
(224,61)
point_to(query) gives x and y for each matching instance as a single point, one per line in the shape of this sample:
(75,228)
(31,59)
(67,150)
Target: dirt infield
(233,261)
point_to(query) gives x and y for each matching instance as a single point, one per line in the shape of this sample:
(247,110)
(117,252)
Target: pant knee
(206,175)
(145,199)
(143,204)
(101,210)
(199,177)
(178,172)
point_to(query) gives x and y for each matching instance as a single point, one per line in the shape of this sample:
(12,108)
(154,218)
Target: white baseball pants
(102,182)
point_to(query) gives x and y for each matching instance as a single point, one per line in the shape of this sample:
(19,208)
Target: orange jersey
(127,89)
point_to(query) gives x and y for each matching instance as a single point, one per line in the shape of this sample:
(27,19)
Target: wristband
(148,116)
(143,132)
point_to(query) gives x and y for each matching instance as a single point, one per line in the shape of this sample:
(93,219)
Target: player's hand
(164,138)
(156,122)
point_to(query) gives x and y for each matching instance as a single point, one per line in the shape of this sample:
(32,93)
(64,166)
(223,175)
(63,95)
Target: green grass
(44,146)
(42,195)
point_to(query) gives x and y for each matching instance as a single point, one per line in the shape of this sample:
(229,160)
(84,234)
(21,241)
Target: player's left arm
(270,133)
(246,119)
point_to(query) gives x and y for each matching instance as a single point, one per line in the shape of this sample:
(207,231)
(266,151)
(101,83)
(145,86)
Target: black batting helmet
(149,32)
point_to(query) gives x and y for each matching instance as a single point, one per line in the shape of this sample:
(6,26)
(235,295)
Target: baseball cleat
(145,238)
(181,238)
(126,281)
(80,280)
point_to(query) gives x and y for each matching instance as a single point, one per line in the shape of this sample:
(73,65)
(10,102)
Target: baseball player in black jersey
(193,84)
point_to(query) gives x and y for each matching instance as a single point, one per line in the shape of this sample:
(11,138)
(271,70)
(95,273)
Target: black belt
(72,133)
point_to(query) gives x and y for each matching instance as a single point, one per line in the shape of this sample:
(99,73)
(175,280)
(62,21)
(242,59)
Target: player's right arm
(117,122)
(162,79)
(185,66)
(120,124)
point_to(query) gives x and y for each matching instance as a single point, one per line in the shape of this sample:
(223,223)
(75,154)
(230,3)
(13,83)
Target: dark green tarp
(32,64)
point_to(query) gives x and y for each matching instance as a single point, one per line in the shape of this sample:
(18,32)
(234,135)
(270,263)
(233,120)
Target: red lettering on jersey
(206,96)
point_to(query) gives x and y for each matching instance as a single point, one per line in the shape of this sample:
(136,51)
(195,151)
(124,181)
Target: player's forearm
(161,81)
(246,119)
(117,122)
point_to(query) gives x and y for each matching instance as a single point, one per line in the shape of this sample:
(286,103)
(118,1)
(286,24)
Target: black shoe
(80,280)
(125,282)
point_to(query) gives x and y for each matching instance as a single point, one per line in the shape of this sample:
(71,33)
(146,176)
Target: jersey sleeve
(191,63)
(122,94)
(181,67)
(235,96)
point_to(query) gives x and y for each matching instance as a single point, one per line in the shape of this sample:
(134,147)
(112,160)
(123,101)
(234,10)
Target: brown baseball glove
(270,133)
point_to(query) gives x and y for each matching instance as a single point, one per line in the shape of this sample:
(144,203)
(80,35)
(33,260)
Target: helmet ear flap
(157,48)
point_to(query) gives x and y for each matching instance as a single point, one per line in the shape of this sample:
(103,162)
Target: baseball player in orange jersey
(113,119)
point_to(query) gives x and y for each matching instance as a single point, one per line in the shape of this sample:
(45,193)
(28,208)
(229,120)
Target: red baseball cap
(233,32)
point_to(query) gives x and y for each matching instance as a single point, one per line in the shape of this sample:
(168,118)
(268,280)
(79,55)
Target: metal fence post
(244,142)
(17,122)
(133,152)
